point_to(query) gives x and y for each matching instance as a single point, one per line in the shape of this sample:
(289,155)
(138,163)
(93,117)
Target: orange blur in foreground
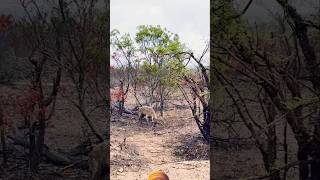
(158,175)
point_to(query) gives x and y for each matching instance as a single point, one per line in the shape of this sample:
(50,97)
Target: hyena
(147,112)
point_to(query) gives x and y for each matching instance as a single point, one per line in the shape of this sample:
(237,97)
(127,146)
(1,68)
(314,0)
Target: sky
(190,19)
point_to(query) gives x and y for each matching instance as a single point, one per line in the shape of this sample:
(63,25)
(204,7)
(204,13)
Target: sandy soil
(138,149)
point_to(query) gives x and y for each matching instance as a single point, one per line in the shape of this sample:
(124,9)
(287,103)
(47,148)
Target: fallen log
(126,111)
(55,158)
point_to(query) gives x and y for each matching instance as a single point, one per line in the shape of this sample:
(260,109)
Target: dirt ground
(174,146)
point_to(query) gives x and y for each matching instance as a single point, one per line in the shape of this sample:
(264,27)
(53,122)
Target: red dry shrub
(117,95)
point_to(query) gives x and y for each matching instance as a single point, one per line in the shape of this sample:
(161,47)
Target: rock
(120,169)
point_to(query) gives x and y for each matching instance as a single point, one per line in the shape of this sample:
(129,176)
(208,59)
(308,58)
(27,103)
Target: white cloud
(188,18)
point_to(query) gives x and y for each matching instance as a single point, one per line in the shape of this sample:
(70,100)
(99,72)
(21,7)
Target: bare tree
(39,35)
(198,99)
(84,53)
(275,64)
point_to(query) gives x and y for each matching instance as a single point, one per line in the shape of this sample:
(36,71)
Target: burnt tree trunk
(206,123)
(33,155)
(3,138)
(161,101)
(271,143)
(121,102)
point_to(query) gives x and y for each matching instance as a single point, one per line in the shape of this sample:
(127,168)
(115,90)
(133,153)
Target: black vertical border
(211,155)
(107,65)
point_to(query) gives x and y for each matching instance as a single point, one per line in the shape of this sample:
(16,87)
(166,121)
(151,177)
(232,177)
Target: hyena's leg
(148,118)
(143,116)
(140,118)
(153,122)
